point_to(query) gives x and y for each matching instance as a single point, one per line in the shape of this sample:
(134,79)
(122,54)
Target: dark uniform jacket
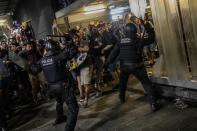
(129,51)
(53,64)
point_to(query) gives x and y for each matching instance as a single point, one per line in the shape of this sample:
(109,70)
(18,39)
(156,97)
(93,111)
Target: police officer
(53,65)
(4,83)
(129,50)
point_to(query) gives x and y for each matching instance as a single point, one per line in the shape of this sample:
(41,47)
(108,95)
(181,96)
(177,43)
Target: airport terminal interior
(98,65)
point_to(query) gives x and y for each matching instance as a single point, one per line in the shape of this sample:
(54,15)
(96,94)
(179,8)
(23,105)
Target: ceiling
(7,6)
(106,3)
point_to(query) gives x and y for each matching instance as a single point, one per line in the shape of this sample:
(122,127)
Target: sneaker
(81,102)
(98,94)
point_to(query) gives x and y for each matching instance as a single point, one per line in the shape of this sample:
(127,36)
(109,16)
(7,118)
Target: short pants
(86,75)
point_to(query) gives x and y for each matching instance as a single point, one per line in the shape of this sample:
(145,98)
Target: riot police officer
(53,65)
(4,83)
(129,50)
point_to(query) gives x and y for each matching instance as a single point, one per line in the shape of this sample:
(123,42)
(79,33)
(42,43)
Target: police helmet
(130,30)
(51,45)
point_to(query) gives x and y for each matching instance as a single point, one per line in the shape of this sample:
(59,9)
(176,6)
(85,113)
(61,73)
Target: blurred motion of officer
(4,83)
(53,65)
(130,51)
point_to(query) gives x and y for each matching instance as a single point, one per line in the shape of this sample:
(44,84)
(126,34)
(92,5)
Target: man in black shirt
(4,83)
(106,39)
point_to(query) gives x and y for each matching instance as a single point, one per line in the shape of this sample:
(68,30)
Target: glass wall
(188,10)
(170,38)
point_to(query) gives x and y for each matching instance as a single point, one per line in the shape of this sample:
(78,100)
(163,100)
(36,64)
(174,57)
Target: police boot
(122,99)
(60,120)
(155,107)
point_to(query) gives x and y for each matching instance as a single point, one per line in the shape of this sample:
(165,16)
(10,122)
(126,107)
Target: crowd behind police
(114,49)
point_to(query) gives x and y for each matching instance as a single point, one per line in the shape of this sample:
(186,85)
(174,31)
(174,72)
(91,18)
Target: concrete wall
(41,14)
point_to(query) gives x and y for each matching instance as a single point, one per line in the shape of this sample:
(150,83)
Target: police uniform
(4,84)
(53,65)
(129,50)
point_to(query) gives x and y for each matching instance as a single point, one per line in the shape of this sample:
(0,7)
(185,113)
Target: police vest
(54,69)
(130,50)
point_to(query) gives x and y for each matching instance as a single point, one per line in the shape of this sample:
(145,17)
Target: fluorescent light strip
(94,7)
(94,11)
(118,10)
(2,21)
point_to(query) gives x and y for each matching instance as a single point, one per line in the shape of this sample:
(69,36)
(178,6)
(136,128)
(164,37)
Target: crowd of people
(87,55)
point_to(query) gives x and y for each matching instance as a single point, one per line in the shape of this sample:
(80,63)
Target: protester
(4,84)
(90,47)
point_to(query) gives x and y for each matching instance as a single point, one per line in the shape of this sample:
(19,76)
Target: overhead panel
(7,6)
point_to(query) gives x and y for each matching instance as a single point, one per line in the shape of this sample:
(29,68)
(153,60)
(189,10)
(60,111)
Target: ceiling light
(94,7)
(94,11)
(2,20)
(118,10)
(2,24)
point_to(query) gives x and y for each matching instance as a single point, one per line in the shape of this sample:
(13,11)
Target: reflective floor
(105,114)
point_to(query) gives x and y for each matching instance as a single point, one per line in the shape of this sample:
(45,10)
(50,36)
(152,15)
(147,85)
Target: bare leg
(81,91)
(35,86)
(87,91)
